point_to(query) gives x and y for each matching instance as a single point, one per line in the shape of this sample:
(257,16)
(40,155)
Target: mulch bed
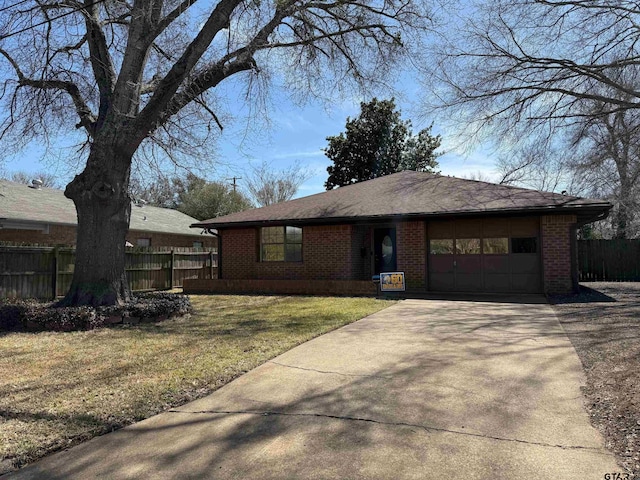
(603,323)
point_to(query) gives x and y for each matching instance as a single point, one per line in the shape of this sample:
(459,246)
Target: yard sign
(392,282)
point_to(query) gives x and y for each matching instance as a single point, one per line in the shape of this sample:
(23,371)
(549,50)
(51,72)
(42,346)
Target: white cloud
(299,154)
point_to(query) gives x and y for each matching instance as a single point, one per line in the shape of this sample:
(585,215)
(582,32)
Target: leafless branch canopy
(268,186)
(150,64)
(536,60)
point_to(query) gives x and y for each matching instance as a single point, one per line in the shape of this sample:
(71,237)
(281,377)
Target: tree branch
(101,63)
(87,119)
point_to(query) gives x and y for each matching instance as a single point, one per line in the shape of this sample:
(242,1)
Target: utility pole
(234,181)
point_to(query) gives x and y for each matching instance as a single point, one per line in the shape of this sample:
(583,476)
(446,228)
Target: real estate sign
(392,282)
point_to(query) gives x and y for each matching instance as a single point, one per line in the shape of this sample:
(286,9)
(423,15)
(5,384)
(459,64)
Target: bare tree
(539,165)
(536,61)
(597,155)
(268,186)
(159,192)
(555,82)
(608,161)
(49,180)
(132,74)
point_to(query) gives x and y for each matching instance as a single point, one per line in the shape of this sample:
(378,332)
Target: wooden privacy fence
(609,260)
(45,272)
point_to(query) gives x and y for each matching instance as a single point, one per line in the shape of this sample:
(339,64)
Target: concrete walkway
(427,389)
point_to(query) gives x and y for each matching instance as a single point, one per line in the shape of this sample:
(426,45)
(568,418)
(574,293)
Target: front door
(384,249)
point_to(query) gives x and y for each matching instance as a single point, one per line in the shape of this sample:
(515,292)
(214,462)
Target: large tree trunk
(103,205)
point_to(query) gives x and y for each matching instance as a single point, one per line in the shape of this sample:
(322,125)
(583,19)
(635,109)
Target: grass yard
(58,389)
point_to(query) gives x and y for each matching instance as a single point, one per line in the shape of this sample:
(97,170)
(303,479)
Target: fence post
(54,282)
(173,264)
(211,265)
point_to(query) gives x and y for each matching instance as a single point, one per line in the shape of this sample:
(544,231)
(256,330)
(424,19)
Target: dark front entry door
(384,248)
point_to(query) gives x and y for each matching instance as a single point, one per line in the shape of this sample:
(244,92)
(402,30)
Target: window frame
(146,240)
(285,242)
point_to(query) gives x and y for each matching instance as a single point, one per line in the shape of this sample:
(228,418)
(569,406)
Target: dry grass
(603,323)
(57,389)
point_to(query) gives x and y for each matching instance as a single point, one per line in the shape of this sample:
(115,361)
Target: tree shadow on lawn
(449,389)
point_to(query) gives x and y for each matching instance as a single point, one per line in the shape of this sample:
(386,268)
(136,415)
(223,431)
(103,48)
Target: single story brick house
(35,215)
(446,234)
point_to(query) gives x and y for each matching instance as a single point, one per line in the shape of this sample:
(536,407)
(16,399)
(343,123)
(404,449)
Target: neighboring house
(36,215)
(446,234)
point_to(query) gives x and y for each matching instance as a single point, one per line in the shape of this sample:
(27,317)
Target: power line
(2,37)
(14,5)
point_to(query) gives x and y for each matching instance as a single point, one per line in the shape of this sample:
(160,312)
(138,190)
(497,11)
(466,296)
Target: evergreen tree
(377,143)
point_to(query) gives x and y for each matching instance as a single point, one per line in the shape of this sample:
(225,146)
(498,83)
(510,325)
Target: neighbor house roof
(411,194)
(22,204)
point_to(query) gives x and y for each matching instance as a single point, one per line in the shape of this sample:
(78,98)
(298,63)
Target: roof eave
(584,213)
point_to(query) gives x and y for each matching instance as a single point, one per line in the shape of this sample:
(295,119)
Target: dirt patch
(603,324)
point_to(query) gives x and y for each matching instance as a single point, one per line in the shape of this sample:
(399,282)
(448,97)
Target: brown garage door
(485,255)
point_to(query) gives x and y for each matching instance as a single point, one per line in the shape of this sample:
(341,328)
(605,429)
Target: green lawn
(57,389)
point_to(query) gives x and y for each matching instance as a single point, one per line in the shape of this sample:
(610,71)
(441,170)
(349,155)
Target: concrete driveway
(426,389)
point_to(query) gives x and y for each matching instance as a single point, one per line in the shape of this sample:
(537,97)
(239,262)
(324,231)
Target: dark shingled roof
(21,203)
(411,194)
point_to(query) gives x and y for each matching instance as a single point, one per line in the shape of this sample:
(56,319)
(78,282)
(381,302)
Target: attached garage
(485,255)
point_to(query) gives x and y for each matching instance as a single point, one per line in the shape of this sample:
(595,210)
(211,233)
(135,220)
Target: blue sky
(296,135)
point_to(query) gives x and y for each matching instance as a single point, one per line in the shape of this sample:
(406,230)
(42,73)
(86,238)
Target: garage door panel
(497,282)
(468,228)
(496,264)
(495,227)
(468,282)
(442,282)
(441,263)
(525,263)
(525,283)
(468,264)
(441,229)
(524,227)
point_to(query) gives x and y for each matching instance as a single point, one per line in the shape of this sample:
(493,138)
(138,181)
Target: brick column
(411,242)
(556,231)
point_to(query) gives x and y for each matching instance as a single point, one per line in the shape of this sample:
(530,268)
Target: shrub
(33,316)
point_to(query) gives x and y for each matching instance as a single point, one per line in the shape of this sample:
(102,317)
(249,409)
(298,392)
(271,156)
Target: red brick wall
(66,235)
(556,253)
(58,235)
(412,249)
(283,287)
(326,254)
